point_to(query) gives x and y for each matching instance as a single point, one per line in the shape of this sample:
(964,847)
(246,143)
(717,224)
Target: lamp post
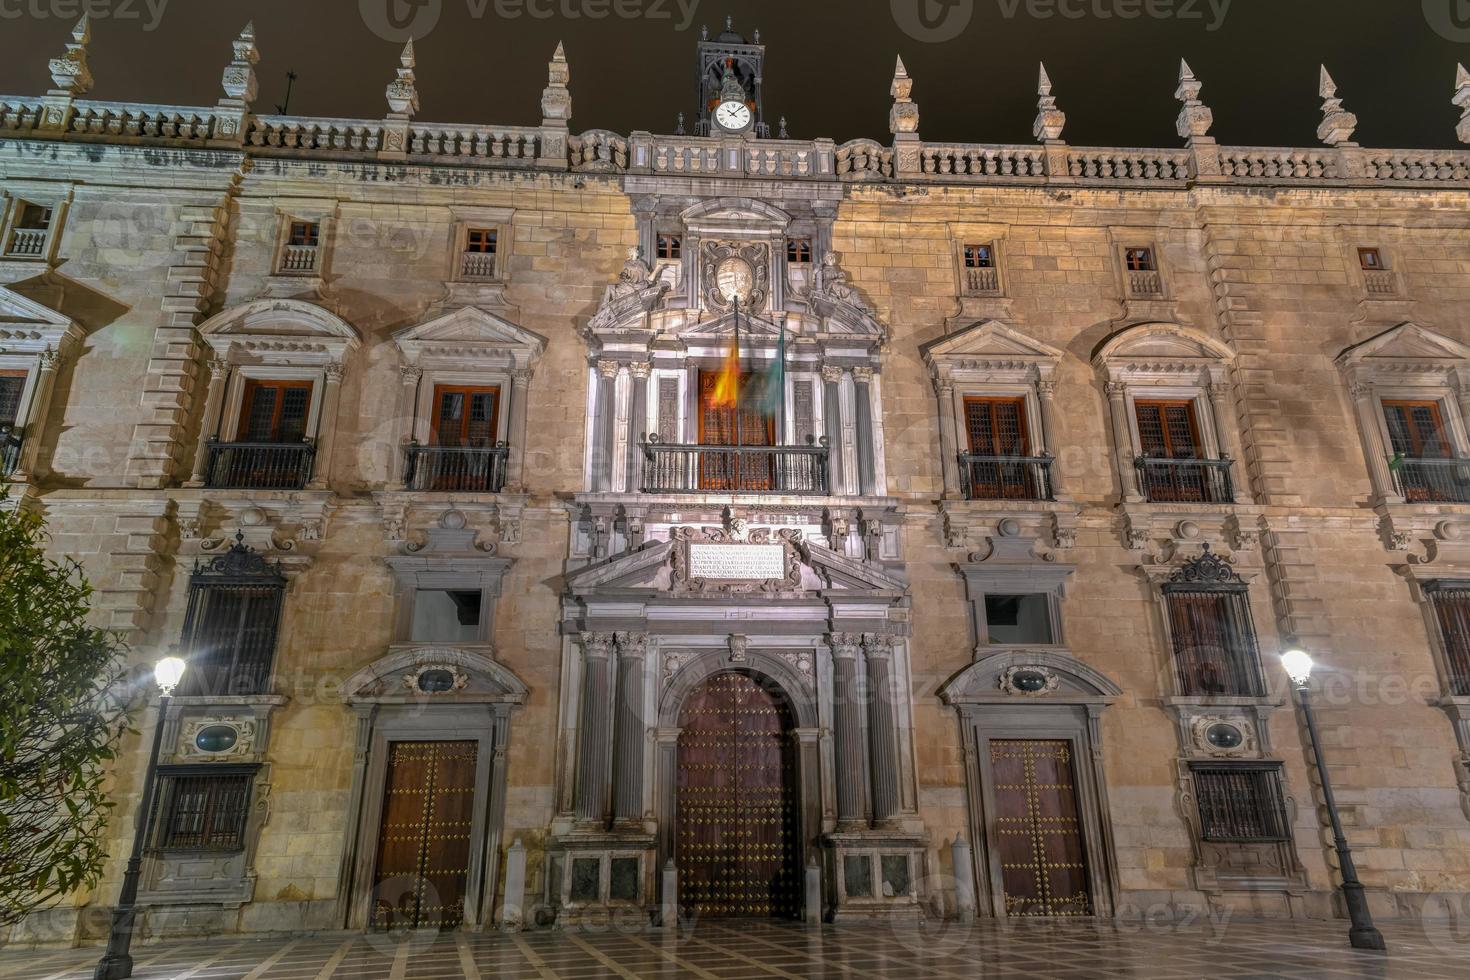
(117,962)
(1362,934)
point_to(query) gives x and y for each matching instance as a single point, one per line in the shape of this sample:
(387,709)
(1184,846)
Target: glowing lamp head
(1298,666)
(168,672)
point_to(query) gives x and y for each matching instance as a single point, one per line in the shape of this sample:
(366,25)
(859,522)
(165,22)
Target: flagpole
(739,437)
(781,354)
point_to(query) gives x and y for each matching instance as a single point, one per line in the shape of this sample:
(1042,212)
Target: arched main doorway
(737,841)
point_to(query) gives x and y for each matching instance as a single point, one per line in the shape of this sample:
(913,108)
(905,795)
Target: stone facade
(170,272)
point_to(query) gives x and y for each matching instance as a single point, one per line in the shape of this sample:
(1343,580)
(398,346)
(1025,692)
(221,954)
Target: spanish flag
(727,384)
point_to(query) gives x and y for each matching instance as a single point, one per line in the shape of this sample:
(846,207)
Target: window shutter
(805,412)
(668,410)
(260,415)
(295,402)
(484,419)
(978,424)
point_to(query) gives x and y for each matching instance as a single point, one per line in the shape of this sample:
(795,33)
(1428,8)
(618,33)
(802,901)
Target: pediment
(30,327)
(461,675)
(1406,343)
(470,333)
(723,327)
(991,680)
(989,342)
(733,215)
(280,328)
(1152,343)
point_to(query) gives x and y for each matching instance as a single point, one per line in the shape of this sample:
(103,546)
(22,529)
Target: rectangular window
(1018,619)
(979,257)
(466,417)
(1139,259)
(274,411)
(726,425)
(1167,429)
(479,258)
(28,234)
(1215,652)
(998,466)
(305,234)
(799,251)
(230,633)
(669,246)
(1240,803)
(446,616)
(997,426)
(12,386)
(1370,259)
(481,241)
(1416,429)
(1451,604)
(203,811)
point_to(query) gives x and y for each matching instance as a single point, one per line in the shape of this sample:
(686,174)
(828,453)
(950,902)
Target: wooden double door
(422,869)
(736,836)
(1036,829)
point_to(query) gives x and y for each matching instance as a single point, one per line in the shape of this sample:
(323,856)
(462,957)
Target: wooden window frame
(1446,434)
(1190,405)
(1146,252)
(796,247)
(492,239)
(247,401)
(985,261)
(1377,263)
(668,246)
(1022,422)
(440,389)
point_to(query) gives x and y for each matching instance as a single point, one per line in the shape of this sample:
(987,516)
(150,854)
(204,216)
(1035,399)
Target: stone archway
(737,825)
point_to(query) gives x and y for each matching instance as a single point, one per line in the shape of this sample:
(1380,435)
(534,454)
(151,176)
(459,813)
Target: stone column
(628,735)
(219,374)
(949,447)
(1367,405)
(520,396)
(594,738)
(1227,434)
(36,417)
(851,758)
(832,423)
(1123,442)
(882,726)
(637,424)
(863,409)
(409,377)
(326,430)
(1046,394)
(606,426)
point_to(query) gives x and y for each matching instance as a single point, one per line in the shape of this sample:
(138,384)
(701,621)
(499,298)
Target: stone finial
(1049,119)
(904,116)
(1337,123)
(1462,99)
(556,100)
(239,81)
(1195,119)
(403,93)
(70,73)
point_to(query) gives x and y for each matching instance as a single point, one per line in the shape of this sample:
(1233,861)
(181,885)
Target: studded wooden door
(1037,833)
(424,844)
(736,845)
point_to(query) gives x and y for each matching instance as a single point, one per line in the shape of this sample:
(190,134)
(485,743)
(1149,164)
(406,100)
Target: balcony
(299,259)
(1006,477)
(455,469)
(11,442)
(982,282)
(27,243)
(1432,481)
(795,470)
(259,465)
(1380,282)
(477,265)
(1145,284)
(1187,481)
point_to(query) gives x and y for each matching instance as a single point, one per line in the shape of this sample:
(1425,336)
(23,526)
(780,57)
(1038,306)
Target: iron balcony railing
(259,465)
(1205,481)
(735,469)
(1423,481)
(456,469)
(11,442)
(1006,477)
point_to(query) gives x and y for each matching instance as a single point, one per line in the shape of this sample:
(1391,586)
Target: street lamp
(1362,934)
(117,962)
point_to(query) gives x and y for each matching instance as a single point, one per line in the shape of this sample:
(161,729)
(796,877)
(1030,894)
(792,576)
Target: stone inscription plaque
(737,562)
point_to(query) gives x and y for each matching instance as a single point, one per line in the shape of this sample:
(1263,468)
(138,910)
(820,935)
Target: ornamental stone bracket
(411,522)
(1172,532)
(287,526)
(1432,534)
(967,525)
(1196,563)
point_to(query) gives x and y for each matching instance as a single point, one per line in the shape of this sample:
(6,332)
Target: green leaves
(65,709)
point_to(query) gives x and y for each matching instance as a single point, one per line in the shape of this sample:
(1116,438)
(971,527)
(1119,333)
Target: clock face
(733,115)
(735,279)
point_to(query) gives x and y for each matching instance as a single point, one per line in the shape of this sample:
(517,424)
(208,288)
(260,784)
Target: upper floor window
(270,449)
(1141,272)
(465,452)
(29,231)
(982,275)
(301,251)
(478,259)
(1000,464)
(669,247)
(1378,277)
(12,388)
(799,251)
(1450,602)
(203,810)
(446,616)
(231,624)
(1370,259)
(1026,618)
(274,411)
(1213,634)
(1172,467)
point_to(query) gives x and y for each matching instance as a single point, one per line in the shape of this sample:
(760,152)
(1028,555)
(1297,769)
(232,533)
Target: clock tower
(730,70)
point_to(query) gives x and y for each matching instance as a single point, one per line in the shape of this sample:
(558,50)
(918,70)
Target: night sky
(828,63)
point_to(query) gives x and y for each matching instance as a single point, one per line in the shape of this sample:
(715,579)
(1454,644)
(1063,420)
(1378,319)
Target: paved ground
(754,951)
